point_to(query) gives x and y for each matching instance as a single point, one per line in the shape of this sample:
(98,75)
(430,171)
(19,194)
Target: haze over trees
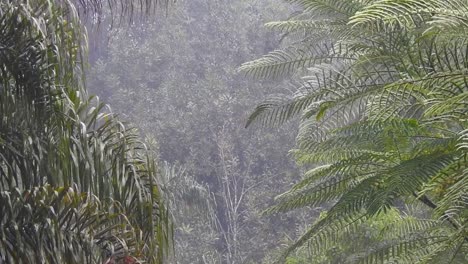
(186,96)
(277,131)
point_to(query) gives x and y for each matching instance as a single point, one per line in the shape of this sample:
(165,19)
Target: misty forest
(234,132)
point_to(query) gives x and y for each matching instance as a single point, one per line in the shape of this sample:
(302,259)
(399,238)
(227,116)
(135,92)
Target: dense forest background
(176,79)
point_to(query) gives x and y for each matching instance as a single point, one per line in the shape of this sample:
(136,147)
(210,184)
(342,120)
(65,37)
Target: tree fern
(384,123)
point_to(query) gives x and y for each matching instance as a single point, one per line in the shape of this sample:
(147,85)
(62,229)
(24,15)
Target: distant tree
(383,106)
(76,185)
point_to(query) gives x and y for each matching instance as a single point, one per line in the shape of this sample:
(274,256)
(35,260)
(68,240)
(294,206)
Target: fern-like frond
(454,203)
(328,7)
(436,14)
(280,63)
(319,233)
(463,140)
(408,176)
(307,25)
(405,12)
(385,121)
(277,110)
(407,250)
(305,156)
(406,226)
(452,249)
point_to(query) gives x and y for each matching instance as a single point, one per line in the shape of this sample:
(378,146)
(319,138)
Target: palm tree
(383,100)
(76,185)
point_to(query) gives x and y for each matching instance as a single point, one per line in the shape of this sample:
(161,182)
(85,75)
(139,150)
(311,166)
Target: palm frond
(54,137)
(61,225)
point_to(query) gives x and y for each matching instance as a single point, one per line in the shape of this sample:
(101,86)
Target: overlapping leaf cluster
(76,185)
(384,120)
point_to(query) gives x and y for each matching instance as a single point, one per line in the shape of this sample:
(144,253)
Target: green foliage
(76,185)
(384,115)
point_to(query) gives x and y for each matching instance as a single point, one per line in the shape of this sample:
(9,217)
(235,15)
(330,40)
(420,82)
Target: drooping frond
(60,226)
(306,25)
(276,110)
(319,234)
(284,62)
(454,204)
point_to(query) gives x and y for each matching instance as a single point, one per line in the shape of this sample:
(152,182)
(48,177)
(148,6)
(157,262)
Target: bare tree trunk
(232,194)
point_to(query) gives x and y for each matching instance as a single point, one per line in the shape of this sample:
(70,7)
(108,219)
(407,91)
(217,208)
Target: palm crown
(76,185)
